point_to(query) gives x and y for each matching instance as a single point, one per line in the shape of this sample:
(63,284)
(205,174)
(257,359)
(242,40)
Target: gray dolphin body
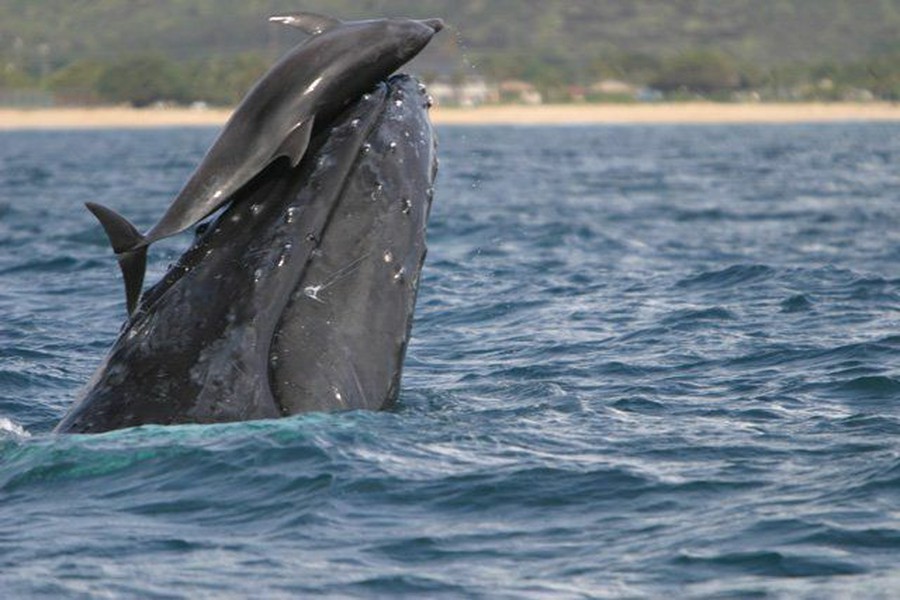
(299,297)
(300,95)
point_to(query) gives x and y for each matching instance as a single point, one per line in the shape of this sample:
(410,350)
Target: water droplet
(354,123)
(366,148)
(400,275)
(235,218)
(255,209)
(311,237)
(407,206)
(398,103)
(429,101)
(290,215)
(392,146)
(257,275)
(388,257)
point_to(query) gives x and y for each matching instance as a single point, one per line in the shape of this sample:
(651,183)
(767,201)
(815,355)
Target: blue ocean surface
(647,360)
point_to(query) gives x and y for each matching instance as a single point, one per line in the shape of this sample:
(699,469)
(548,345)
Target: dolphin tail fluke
(133,264)
(130,248)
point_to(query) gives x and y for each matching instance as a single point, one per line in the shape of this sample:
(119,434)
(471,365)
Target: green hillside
(549,42)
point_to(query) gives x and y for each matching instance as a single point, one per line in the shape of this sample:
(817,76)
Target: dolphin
(297,97)
(299,296)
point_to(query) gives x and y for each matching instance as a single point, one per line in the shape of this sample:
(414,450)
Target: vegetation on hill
(210,50)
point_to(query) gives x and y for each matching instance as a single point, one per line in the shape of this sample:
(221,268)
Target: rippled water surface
(646,360)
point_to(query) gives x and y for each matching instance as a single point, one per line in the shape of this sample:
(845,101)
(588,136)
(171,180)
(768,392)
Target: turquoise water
(646,360)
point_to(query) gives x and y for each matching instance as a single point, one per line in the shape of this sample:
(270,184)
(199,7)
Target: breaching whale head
(298,297)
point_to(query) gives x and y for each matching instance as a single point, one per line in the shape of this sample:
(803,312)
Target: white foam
(8,426)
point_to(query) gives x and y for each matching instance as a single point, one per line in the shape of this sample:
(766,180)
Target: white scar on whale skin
(312,291)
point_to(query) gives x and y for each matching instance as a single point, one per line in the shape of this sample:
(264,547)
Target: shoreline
(12,119)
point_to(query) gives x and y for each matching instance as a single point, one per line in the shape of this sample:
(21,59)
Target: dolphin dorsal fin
(311,23)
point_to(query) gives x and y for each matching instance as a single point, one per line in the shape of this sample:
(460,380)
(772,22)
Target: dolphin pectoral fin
(130,248)
(297,141)
(310,23)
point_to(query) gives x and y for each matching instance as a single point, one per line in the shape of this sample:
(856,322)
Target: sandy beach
(686,113)
(682,113)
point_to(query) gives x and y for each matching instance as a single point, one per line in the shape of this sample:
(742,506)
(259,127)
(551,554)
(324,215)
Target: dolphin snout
(435,24)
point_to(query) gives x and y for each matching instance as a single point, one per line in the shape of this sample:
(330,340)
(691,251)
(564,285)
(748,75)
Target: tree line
(705,73)
(209,50)
(145,79)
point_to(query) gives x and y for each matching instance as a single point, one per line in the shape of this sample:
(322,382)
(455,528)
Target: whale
(298,297)
(299,96)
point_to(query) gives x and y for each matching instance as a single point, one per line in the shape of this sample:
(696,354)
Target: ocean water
(646,361)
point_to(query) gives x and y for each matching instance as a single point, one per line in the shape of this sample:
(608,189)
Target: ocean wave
(646,361)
